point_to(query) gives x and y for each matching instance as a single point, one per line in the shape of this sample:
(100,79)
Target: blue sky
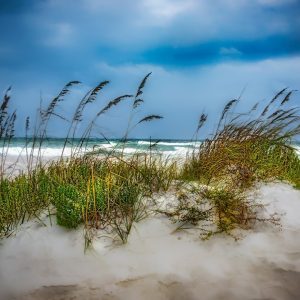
(201,53)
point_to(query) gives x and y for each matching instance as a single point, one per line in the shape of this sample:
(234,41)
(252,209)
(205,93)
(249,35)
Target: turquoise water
(54,146)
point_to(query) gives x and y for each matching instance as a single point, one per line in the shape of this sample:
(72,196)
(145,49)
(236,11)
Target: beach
(149,150)
(48,262)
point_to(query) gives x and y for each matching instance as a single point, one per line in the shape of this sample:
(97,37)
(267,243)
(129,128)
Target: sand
(48,262)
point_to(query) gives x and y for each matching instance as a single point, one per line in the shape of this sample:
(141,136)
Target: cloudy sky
(201,53)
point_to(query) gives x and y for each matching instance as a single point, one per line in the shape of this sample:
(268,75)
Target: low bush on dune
(216,210)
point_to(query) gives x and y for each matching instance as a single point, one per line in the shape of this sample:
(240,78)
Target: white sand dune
(48,262)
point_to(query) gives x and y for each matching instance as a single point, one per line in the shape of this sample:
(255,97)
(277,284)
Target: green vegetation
(246,148)
(100,190)
(110,191)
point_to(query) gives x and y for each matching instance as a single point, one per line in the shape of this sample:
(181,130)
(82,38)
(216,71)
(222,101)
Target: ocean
(52,147)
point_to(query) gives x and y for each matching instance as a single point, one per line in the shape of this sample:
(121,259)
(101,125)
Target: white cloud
(167,9)
(129,69)
(275,2)
(229,51)
(60,34)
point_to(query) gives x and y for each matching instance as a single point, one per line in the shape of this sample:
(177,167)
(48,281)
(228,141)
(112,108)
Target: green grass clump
(22,198)
(69,204)
(249,147)
(106,193)
(244,149)
(98,191)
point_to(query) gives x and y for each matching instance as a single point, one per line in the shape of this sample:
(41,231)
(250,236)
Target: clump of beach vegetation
(96,189)
(245,149)
(248,147)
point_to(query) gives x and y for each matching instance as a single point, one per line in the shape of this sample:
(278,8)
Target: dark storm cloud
(51,32)
(217,51)
(15,6)
(45,43)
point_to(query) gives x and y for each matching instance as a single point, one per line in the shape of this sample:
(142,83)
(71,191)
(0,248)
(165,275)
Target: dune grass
(248,147)
(108,191)
(96,189)
(245,149)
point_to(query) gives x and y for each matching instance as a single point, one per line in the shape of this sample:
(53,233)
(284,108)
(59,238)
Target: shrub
(69,206)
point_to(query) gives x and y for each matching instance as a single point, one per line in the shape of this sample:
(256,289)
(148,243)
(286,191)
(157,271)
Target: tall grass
(7,128)
(96,190)
(250,147)
(109,191)
(245,148)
